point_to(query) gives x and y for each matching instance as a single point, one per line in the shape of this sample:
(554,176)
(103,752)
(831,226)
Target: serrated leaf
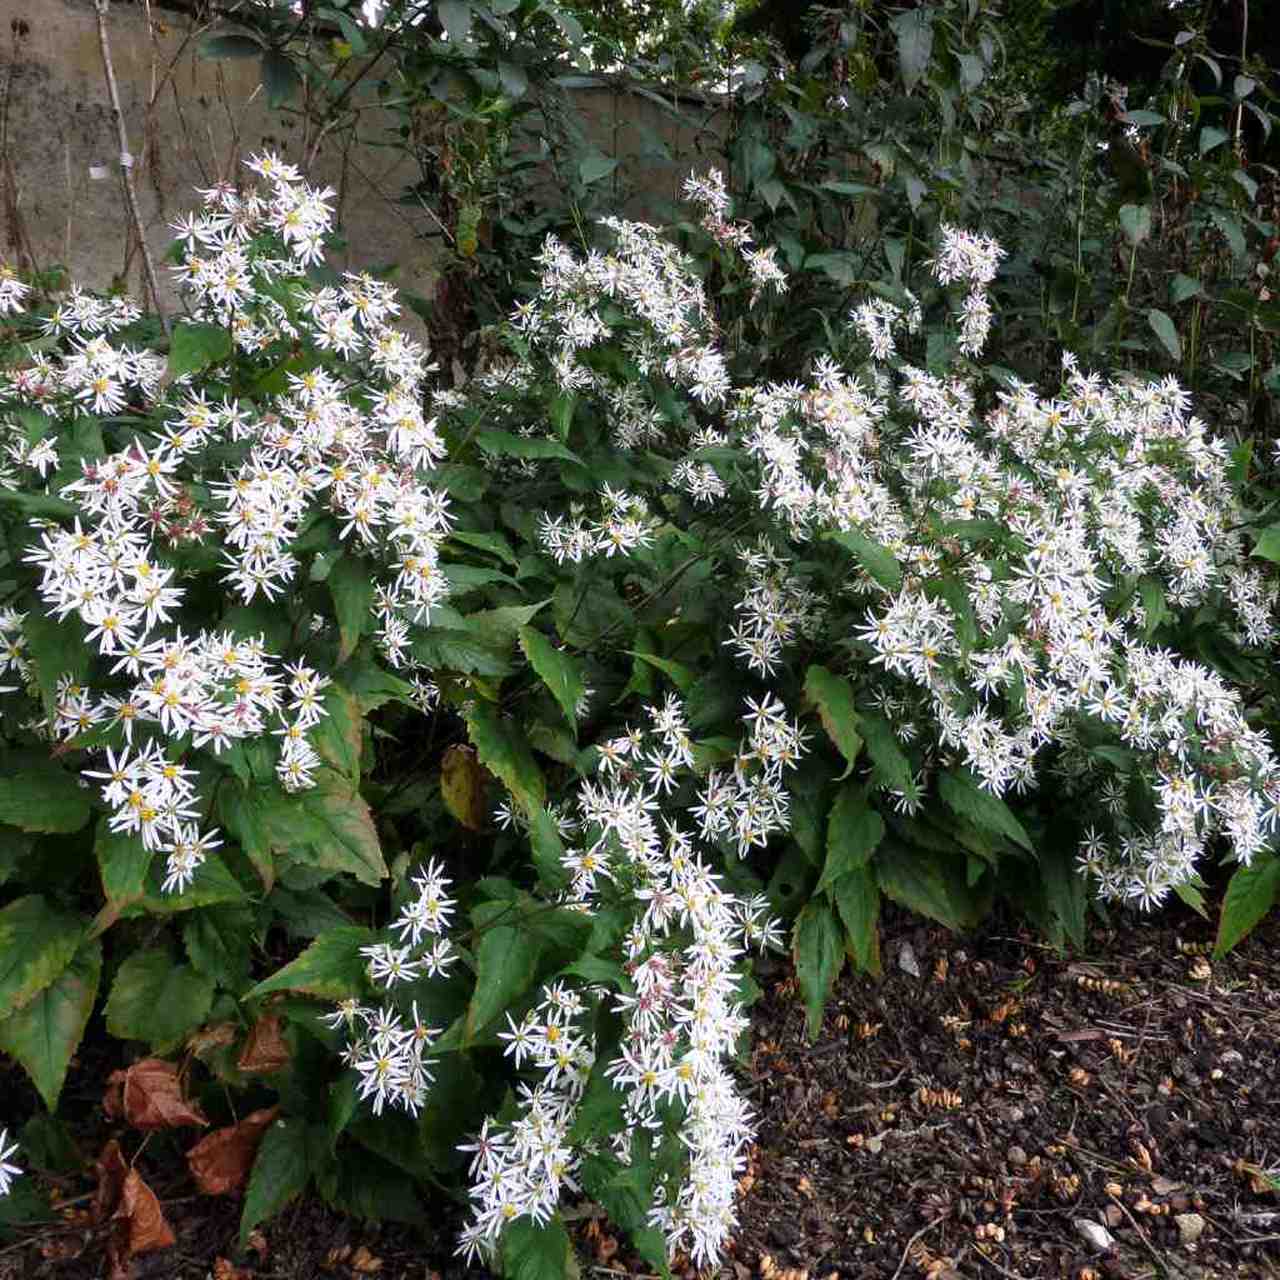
(875,559)
(833,697)
(928,882)
(195,346)
(44,1034)
(1267,546)
(966,799)
(37,795)
(854,832)
(218,940)
(157,1001)
(857,898)
(493,440)
(37,942)
(351,584)
(892,768)
(452,649)
(1251,893)
(1164,329)
(683,677)
(818,951)
(57,647)
(281,1171)
(462,786)
(557,670)
(506,960)
(331,967)
(505,752)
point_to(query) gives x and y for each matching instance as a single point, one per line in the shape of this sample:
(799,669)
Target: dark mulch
(960,1120)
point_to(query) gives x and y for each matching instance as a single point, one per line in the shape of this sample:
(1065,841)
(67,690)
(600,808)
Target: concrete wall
(190,119)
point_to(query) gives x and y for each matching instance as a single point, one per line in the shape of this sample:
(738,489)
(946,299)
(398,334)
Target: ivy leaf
(819,954)
(857,898)
(157,1001)
(530,1252)
(878,561)
(280,1172)
(195,345)
(966,799)
(37,943)
(43,1035)
(351,584)
(854,832)
(505,752)
(833,696)
(37,795)
(331,967)
(1251,893)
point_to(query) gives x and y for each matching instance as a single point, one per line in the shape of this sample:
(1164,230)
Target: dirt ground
(986,1108)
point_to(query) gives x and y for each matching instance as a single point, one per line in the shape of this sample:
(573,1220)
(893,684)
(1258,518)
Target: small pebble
(907,961)
(1016,1157)
(1190,1227)
(1097,1236)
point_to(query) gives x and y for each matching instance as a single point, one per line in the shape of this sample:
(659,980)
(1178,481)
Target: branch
(126,163)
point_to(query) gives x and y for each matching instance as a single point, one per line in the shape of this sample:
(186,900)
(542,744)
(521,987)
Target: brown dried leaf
(220,1161)
(129,1208)
(207,1039)
(462,785)
(265,1050)
(225,1269)
(148,1095)
(364,1263)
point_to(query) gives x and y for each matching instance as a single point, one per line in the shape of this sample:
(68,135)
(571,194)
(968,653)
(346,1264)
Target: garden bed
(960,1116)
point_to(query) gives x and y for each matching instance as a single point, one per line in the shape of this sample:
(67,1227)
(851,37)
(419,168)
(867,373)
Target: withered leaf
(462,785)
(129,1209)
(148,1095)
(265,1050)
(221,1160)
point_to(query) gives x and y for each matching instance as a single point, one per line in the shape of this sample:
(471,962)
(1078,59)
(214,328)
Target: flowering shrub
(279,614)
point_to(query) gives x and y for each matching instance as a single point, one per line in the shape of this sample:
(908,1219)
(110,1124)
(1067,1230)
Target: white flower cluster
(8,1171)
(709,191)
(388,1054)
(877,319)
(352,447)
(621,527)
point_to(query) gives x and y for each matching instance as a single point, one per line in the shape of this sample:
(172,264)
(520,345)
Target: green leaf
(557,670)
(1164,329)
(1251,893)
(1065,889)
(331,967)
(854,832)
(339,737)
(157,1001)
(833,696)
(530,1252)
(195,346)
(874,558)
(515,80)
(1135,222)
(503,624)
(44,1035)
(505,752)
(452,649)
(455,16)
(493,440)
(966,799)
(857,899)
(1143,118)
(594,166)
(506,963)
(1183,287)
(930,883)
(279,77)
(892,768)
(37,795)
(1154,605)
(819,953)
(36,944)
(337,829)
(1267,546)
(281,1170)
(57,648)
(1210,137)
(218,941)
(351,584)
(913,30)
(684,678)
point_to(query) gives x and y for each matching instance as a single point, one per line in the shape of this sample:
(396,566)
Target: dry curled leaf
(462,786)
(265,1050)
(207,1039)
(148,1095)
(129,1209)
(225,1269)
(364,1263)
(220,1161)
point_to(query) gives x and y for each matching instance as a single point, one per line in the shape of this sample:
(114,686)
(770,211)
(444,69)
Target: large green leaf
(505,752)
(857,898)
(281,1170)
(37,795)
(878,561)
(37,942)
(44,1034)
(493,440)
(557,670)
(819,953)
(506,961)
(833,696)
(966,799)
(531,1252)
(928,882)
(157,1001)
(331,966)
(57,647)
(351,584)
(913,30)
(468,652)
(892,768)
(195,346)
(1251,893)
(854,831)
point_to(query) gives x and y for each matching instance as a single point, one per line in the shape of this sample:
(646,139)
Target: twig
(906,1253)
(991,1262)
(1146,1244)
(126,162)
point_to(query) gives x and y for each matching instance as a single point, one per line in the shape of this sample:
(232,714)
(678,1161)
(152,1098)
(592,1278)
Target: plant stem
(126,163)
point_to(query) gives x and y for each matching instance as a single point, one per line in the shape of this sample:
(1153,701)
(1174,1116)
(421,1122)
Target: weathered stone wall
(190,119)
